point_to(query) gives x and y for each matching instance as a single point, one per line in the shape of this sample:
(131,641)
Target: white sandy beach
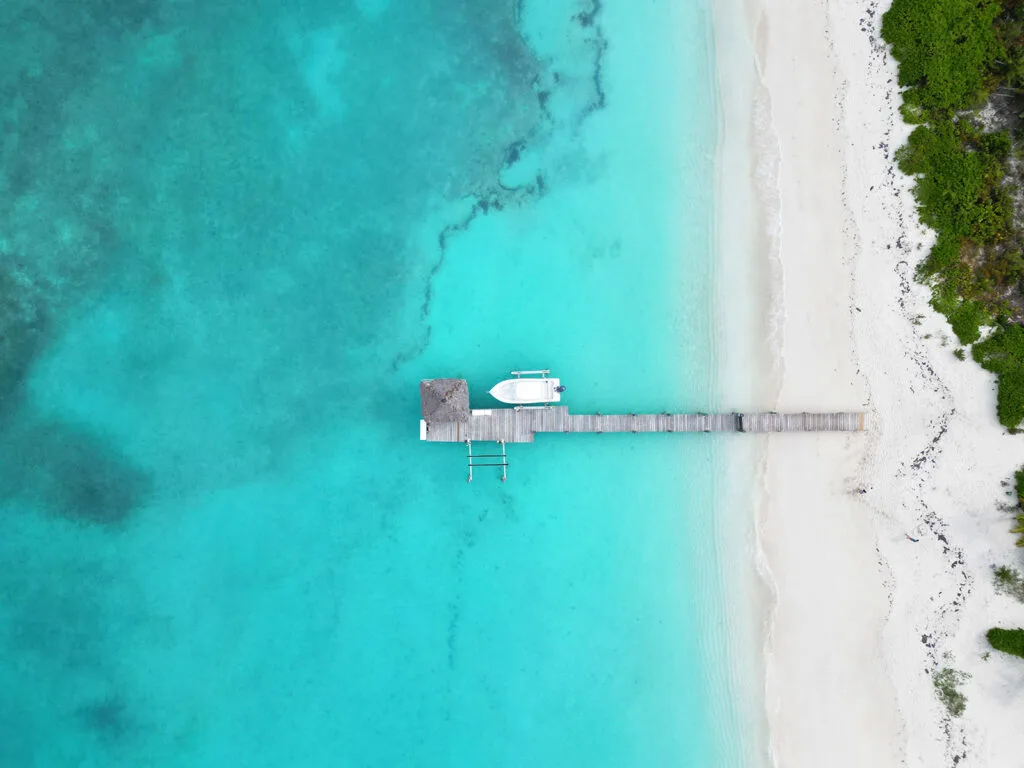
(858,616)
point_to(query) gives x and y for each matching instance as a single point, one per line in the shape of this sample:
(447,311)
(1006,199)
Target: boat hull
(526,391)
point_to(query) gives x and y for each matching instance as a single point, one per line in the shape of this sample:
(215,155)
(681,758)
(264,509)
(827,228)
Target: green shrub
(946,682)
(967,319)
(1019,529)
(912,114)
(946,50)
(951,54)
(946,290)
(1004,268)
(1008,581)
(943,255)
(1003,354)
(1007,640)
(958,182)
(997,144)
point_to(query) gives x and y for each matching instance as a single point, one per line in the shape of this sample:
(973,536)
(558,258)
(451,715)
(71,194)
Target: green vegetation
(946,682)
(1007,641)
(959,172)
(1018,477)
(1019,529)
(1003,354)
(952,55)
(1008,581)
(946,50)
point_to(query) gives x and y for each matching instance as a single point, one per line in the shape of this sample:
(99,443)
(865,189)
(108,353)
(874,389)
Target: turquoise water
(233,239)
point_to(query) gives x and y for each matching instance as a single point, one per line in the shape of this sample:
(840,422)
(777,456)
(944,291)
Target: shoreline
(745,269)
(855,618)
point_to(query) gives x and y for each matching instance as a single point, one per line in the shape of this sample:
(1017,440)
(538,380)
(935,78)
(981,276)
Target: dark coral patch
(24,325)
(107,718)
(73,473)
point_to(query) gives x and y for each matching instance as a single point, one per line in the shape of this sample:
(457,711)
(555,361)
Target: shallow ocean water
(233,239)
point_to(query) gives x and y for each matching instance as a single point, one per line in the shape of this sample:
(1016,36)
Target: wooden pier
(447,418)
(512,425)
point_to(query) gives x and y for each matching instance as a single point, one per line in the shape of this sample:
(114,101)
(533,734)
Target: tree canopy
(946,50)
(959,179)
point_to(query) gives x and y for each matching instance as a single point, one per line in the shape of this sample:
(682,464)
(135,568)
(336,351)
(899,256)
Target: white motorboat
(523,391)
